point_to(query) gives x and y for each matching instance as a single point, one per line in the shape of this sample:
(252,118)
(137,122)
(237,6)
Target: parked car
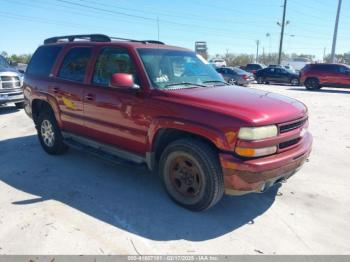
(163,106)
(253,68)
(236,76)
(277,75)
(315,76)
(218,62)
(10,84)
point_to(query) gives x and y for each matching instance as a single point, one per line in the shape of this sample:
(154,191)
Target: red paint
(131,118)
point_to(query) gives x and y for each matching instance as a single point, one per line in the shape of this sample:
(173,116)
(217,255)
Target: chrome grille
(9,82)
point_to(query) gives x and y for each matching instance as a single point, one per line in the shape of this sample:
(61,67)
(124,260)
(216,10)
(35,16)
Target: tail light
(254,72)
(245,77)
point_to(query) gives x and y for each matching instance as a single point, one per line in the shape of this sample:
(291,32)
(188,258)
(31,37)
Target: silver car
(236,76)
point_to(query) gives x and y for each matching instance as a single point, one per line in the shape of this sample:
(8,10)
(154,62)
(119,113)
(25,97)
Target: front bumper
(13,96)
(257,175)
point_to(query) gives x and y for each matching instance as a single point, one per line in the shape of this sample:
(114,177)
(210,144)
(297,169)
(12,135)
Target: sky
(226,25)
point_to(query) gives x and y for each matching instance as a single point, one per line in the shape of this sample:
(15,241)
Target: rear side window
(75,64)
(43,60)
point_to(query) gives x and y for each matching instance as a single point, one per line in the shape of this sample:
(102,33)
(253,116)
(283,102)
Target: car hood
(7,69)
(250,105)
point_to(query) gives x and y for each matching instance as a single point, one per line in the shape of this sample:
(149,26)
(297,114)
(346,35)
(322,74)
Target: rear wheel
(49,134)
(260,80)
(192,174)
(312,84)
(294,81)
(232,81)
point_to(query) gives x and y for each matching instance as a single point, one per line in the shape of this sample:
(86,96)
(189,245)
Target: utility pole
(282,31)
(158,27)
(257,50)
(335,32)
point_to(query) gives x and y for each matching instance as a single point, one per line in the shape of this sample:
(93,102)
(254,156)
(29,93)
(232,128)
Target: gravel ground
(79,204)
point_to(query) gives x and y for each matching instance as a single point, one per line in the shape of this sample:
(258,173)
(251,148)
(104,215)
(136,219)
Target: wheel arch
(39,104)
(164,131)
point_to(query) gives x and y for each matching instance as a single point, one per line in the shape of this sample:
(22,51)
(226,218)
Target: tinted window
(111,61)
(343,70)
(325,68)
(3,62)
(74,64)
(43,60)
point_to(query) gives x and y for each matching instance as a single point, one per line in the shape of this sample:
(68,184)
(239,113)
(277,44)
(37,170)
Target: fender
(215,136)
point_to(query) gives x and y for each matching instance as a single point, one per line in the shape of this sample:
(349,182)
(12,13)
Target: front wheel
(19,105)
(49,134)
(192,174)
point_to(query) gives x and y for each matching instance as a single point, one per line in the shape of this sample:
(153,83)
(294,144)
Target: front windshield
(167,68)
(3,62)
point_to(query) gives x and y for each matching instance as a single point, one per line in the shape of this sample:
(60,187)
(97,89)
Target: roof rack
(95,38)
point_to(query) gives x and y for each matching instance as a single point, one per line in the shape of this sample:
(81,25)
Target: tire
(232,81)
(294,81)
(192,174)
(49,134)
(312,84)
(19,105)
(260,80)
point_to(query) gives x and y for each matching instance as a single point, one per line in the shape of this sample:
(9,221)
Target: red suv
(315,76)
(165,107)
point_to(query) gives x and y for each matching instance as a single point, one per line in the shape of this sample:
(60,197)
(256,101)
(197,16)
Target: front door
(115,116)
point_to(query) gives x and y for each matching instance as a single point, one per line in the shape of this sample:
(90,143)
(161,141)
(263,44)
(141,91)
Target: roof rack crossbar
(139,41)
(71,38)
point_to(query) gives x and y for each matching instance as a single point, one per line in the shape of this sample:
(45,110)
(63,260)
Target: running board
(101,150)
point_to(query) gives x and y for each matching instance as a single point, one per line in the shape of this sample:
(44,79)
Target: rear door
(69,85)
(282,76)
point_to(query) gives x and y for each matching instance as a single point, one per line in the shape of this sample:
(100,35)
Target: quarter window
(111,61)
(43,60)
(75,64)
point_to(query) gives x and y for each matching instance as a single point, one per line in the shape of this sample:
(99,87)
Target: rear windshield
(238,70)
(43,60)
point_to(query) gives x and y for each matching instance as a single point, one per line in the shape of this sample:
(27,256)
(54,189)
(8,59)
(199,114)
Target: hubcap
(232,81)
(47,133)
(185,176)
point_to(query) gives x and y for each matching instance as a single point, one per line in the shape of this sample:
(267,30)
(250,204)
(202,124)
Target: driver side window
(111,61)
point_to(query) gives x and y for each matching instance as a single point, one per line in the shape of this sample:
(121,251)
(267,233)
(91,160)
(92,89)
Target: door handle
(89,97)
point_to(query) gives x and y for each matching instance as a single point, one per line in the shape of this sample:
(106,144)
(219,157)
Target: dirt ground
(79,204)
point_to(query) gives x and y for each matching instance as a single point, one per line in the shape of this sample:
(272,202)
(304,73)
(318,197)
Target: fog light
(255,152)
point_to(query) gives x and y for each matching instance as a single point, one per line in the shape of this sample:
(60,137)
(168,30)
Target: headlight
(257,133)
(256,152)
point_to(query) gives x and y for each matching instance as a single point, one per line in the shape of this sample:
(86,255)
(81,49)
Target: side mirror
(122,81)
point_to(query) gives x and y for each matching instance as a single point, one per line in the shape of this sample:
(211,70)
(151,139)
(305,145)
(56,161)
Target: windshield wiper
(216,81)
(185,84)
